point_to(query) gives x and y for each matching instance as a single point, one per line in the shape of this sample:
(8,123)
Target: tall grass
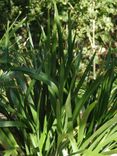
(47,107)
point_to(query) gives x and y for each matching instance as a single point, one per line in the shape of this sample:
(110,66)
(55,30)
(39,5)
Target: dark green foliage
(52,100)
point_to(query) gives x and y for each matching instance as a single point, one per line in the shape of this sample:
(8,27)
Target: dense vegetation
(58,78)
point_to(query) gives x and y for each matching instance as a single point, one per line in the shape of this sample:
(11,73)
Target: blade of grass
(88,68)
(86,96)
(11,124)
(83,122)
(100,130)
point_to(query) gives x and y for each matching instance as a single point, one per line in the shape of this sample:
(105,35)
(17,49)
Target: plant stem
(93,47)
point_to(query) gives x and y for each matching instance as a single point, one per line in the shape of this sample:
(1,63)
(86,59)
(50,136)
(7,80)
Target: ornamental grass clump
(49,106)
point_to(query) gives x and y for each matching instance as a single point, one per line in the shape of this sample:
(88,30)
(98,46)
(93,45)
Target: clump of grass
(52,109)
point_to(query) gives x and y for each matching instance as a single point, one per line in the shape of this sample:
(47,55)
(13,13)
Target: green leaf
(68,110)
(105,126)
(11,124)
(83,122)
(91,89)
(87,70)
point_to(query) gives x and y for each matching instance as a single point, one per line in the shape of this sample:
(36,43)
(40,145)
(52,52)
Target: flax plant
(50,109)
